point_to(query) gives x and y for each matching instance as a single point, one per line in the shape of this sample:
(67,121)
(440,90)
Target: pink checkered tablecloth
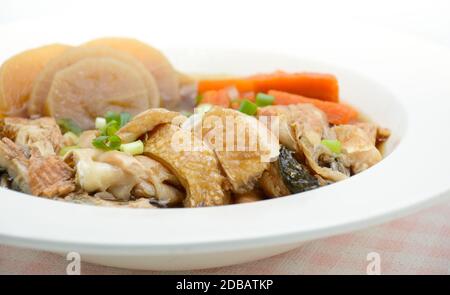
(417,244)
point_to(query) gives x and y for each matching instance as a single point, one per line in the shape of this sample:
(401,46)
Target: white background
(429,19)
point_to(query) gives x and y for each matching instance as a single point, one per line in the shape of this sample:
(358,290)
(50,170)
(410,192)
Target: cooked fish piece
(165,184)
(306,115)
(113,172)
(42,133)
(49,176)
(146,121)
(14,159)
(243,145)
(307,126)
(375,133)
(93,176)
(4,180)
(84,198)
(321,160)
(272,183)
(195,165)
(86,137)
(248,197)
(358,148)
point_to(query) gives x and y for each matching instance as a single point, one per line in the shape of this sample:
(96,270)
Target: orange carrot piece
(320,86)
(337,113)
(216,97)
(242,85)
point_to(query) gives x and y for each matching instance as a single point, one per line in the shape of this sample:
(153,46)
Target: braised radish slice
(44,81)
(18,73)
(93,86)
(163,72)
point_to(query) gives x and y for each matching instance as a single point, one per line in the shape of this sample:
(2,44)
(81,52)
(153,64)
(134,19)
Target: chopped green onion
(248,107)
(67,149)
(70,136)
(67,125)
(105,142)
(121,118)
(112,116)
(114,142)
(100,142)
(333,145)
(110,128)
(203,108)
(100,123)
(263,99)
(133,148)
(124,118)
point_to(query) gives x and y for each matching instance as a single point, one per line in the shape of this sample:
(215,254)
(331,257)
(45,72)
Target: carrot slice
(242,85)
(337,113)
(216,97)
(320,86)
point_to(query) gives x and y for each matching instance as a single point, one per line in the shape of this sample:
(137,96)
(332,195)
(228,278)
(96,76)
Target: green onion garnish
(112,116)
(110,128)
(248,107)
(67,125)
(100,123)
(105,142)
(67,149)
(124,119)
(133,148)
(263,99)
(333,145)
(121,118)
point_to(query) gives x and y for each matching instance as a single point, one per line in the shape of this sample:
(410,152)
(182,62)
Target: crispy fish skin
(197,169)
(272,183)
(147,121)
(49,176)
(239,157)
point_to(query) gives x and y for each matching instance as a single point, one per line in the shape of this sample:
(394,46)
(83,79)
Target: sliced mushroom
(243,145)
(146,121)
(192,162)
(358,149)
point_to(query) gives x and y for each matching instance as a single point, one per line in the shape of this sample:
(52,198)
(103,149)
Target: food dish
(255,137)
(375,77)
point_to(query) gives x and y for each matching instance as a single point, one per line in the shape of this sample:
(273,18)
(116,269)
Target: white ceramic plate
(399,81)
